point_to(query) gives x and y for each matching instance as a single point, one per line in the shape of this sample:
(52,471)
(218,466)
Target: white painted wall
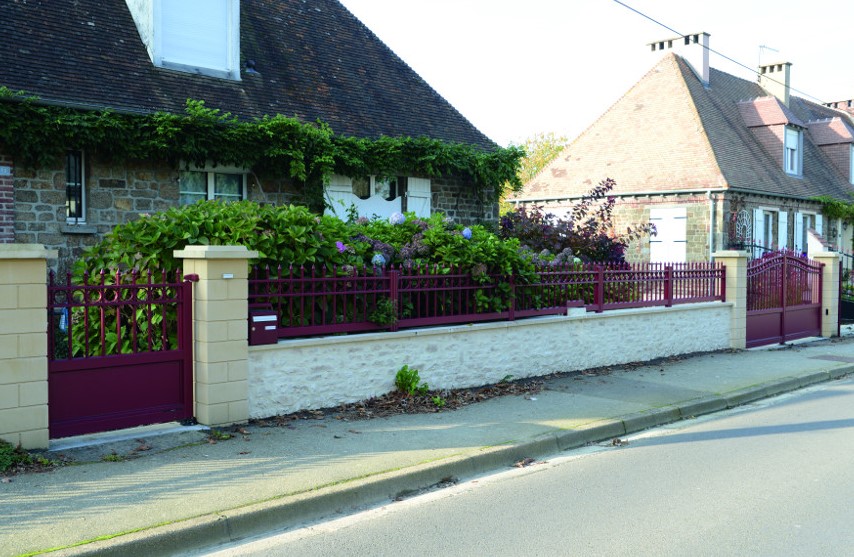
(325,372)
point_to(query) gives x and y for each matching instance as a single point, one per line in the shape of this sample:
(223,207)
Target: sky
(517,68)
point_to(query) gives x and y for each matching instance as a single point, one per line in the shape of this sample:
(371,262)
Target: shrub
(586,234)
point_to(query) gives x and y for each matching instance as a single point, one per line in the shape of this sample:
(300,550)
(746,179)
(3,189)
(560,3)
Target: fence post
(735,277)
(23,345)
(829,292)
(220,331)
(668,286)
(599,296)
(394,296)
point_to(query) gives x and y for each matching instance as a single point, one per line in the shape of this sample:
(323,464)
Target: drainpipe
(711,223)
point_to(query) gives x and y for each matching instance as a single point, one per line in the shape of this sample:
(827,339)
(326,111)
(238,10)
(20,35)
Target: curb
(293,510)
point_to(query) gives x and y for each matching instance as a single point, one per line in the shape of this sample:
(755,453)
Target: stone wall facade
(7,200)
(32,202)
(458,201)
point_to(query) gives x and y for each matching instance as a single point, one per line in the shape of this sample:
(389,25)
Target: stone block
(23,370)
(35,439)
(16,420)
(33,394)
(9,396)
(212,414)
(221,351)
(211,372)
(13,321)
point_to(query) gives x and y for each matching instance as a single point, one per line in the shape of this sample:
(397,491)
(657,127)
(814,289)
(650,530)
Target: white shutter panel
(799,232)
(782,230)
(758,232)
(818,225)
(340,183)
(418,196)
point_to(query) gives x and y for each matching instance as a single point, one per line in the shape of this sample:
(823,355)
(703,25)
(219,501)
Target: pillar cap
(730,253)
(215,252)
(26,251)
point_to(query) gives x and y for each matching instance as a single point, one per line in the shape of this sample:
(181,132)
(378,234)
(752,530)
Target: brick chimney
(846,105)
(693,48)
(776,80)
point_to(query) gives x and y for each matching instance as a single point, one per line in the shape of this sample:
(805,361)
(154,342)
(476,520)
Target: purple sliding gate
(119,352)
(783,299)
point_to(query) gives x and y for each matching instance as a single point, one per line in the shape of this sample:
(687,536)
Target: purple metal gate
(119,353)
(783,299)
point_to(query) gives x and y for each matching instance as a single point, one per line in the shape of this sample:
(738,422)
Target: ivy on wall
(36,134)
(836,209)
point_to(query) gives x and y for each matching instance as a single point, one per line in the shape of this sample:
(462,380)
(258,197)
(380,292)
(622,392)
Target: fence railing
(117,313)
(312,301)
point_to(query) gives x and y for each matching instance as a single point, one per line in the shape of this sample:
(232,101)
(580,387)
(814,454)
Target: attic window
(794,156)
(198,36)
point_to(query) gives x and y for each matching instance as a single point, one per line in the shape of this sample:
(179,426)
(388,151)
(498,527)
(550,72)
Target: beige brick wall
(220,331)
(23,345)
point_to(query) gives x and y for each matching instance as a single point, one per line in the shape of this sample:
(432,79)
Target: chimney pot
(693,48)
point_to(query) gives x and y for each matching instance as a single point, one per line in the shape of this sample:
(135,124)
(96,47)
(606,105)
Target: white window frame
(801,231)
(228,67)
(764,219)
(211,183)
(75,220)
(793,151)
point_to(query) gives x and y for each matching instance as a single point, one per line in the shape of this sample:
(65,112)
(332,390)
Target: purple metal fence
(118,313)
(319,301)
(783,298)
(119,352)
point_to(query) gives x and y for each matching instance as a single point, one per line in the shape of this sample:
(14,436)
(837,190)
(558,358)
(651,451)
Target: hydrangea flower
(467,233)
(397,218)
(341,247)
(378,260)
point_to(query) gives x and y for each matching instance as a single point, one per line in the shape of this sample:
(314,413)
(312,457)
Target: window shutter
(782,230)
(818,225)
(418,196)
(758,229)
(799,232)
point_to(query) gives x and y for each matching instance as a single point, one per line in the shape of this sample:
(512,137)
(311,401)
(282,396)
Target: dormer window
(196,36)
(794,151)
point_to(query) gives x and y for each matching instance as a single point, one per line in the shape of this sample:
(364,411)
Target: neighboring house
(713,160)
(309,60)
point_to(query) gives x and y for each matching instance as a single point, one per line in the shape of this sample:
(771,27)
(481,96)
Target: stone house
(314,61)
(713,160)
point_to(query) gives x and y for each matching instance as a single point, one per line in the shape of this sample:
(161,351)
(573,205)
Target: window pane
(74,185)
(193,186)
(228,186)
(194,182)
(361,188)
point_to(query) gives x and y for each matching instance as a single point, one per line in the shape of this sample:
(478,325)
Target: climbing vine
(36,134)
(836,209)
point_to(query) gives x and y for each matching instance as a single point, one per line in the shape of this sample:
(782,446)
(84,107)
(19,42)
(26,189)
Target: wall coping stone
(468,327)
(26,251)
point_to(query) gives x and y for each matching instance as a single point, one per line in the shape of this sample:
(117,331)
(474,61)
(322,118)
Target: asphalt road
(775,478)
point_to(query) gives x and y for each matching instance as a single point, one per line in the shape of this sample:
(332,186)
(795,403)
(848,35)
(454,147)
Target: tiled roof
(669,132)
(767,111)
(316,61)
(831,131)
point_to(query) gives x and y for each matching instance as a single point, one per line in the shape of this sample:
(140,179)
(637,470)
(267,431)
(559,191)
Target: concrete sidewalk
(184,493)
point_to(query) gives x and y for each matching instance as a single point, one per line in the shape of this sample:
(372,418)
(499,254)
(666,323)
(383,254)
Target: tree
(540,149)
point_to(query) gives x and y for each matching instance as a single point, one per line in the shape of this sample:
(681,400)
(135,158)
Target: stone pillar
(23,344)
(829,292)
(220,331)
(736,292)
